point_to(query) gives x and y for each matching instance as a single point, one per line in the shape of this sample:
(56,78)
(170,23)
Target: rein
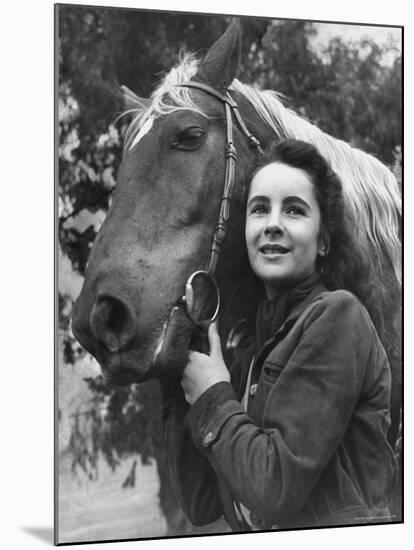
(231,109)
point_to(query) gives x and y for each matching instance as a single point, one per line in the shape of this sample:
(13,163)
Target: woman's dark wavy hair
(344,266)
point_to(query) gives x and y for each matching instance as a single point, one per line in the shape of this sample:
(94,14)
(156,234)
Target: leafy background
(111,455)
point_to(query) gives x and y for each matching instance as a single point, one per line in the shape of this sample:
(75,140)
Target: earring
(324,251)
(325,243)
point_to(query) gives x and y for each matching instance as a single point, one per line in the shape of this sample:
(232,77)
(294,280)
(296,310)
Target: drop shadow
(42,533)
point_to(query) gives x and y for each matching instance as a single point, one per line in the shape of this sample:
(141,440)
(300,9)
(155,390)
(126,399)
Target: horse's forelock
(167,96)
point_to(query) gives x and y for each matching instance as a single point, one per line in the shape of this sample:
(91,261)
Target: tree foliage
(346,89)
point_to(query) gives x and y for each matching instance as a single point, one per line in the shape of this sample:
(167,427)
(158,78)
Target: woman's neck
(273,291)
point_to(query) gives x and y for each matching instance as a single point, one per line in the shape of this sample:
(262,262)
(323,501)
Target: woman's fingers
(214,340)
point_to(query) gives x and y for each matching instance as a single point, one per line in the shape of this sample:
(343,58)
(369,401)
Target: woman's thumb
(214,340)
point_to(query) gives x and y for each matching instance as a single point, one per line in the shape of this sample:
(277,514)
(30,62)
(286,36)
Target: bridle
(194,306)
(231,109)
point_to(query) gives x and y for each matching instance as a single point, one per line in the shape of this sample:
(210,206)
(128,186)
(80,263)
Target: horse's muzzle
(108,328)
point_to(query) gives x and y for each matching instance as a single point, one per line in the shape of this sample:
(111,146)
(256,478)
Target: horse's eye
(189,139)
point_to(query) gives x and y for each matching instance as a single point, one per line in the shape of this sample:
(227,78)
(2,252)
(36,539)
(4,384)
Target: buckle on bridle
(231,151)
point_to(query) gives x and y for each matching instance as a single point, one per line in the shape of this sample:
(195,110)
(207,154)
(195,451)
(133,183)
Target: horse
(162,225)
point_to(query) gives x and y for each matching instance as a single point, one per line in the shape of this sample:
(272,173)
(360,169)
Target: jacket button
(253,389)
(207,439)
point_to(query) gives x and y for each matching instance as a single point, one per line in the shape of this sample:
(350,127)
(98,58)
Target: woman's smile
(273,250)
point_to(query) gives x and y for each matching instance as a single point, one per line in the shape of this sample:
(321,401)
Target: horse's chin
(121,378)
(122,368)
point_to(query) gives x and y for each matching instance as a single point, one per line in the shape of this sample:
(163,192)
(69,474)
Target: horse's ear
(221,63)
(132,101)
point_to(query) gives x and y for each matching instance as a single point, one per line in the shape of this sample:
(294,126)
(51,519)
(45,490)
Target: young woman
(294,434)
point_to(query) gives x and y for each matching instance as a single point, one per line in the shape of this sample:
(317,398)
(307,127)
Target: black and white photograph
(229,274)
(226,273)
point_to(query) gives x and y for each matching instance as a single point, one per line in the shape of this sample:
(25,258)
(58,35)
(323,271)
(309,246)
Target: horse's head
(160,227)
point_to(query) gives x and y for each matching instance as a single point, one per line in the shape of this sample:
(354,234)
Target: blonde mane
(370,189)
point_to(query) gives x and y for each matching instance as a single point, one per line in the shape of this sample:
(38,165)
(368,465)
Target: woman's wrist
(208,382)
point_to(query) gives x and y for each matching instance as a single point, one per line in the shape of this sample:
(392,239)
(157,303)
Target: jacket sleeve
(272,469)
(192,477)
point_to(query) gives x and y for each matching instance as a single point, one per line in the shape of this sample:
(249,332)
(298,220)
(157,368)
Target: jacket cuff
(210,412)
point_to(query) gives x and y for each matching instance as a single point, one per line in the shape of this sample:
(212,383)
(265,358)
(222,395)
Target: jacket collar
(313,295)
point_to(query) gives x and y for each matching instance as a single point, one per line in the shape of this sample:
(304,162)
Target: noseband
(231,109)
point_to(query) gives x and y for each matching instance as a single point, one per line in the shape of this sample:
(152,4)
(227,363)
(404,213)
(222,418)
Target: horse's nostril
(112,322)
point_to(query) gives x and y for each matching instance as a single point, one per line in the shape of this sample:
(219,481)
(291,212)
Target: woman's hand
(202,371)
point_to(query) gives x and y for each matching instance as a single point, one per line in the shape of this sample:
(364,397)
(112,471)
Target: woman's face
(283,226)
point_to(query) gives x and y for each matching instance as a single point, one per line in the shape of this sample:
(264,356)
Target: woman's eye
(295,210)
(258,209)
(189,139)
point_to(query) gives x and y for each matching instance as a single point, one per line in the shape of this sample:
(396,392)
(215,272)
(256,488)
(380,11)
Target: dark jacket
(312,448)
